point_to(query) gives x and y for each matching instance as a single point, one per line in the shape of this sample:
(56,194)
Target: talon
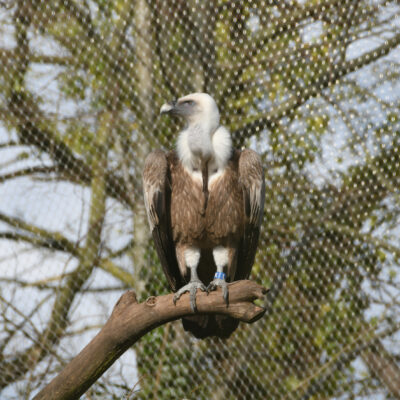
(221,283)
(225,293)
(193,305)
(191,287)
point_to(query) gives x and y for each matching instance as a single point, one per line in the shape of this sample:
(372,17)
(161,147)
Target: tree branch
(9,54)
(257,124)
(11,370)
(37,236)
(131,320)
(30,171)
(30,122)
(382,365)
(365,343)
(277,27)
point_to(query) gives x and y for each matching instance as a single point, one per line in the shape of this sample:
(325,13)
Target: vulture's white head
(203,138)
(196,109)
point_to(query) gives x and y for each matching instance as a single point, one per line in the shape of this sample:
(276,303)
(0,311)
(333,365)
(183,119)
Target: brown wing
(251,178)
(157,199)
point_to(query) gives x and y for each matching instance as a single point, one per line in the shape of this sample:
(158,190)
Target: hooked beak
(168,108)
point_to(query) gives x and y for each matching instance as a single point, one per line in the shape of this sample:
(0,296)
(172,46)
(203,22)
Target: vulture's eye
(187,103)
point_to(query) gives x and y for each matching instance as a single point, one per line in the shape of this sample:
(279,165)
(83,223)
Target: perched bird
(205,204)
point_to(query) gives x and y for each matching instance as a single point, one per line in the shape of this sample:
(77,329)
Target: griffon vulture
(205,204)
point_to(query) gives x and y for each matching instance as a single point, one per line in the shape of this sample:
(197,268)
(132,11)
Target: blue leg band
(219,275)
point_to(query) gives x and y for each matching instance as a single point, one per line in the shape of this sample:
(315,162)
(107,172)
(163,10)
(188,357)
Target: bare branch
(28,172)
(30,122)
(131,320)
(366,342)
(118,272)
(7,54)
(330,78)
(89,256)
(50,243)
(40,236)
(382,365)
(6,145)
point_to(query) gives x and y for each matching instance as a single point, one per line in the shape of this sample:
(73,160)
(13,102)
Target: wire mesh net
(311,85)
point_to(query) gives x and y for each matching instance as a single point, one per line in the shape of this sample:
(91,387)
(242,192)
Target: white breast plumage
(213,176)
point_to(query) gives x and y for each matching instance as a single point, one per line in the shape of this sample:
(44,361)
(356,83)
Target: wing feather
(251,178)
(157,198)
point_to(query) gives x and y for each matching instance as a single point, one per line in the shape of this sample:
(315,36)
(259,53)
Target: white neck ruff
(221,151)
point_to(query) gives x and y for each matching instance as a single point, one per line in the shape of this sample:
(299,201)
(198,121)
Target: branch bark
(131,320)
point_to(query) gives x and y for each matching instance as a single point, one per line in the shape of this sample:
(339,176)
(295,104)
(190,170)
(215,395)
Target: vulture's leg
(221,258)
(192,258)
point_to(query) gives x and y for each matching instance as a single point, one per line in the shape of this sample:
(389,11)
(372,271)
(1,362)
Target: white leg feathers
(192,257)
(221,257)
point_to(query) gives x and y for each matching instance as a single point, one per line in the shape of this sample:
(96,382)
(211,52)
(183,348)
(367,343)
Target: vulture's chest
(223,221)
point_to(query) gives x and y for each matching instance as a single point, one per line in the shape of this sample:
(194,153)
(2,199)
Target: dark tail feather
(202,326)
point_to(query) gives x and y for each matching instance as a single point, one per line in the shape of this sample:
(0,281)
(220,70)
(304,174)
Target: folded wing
(251,178)
(157,197)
